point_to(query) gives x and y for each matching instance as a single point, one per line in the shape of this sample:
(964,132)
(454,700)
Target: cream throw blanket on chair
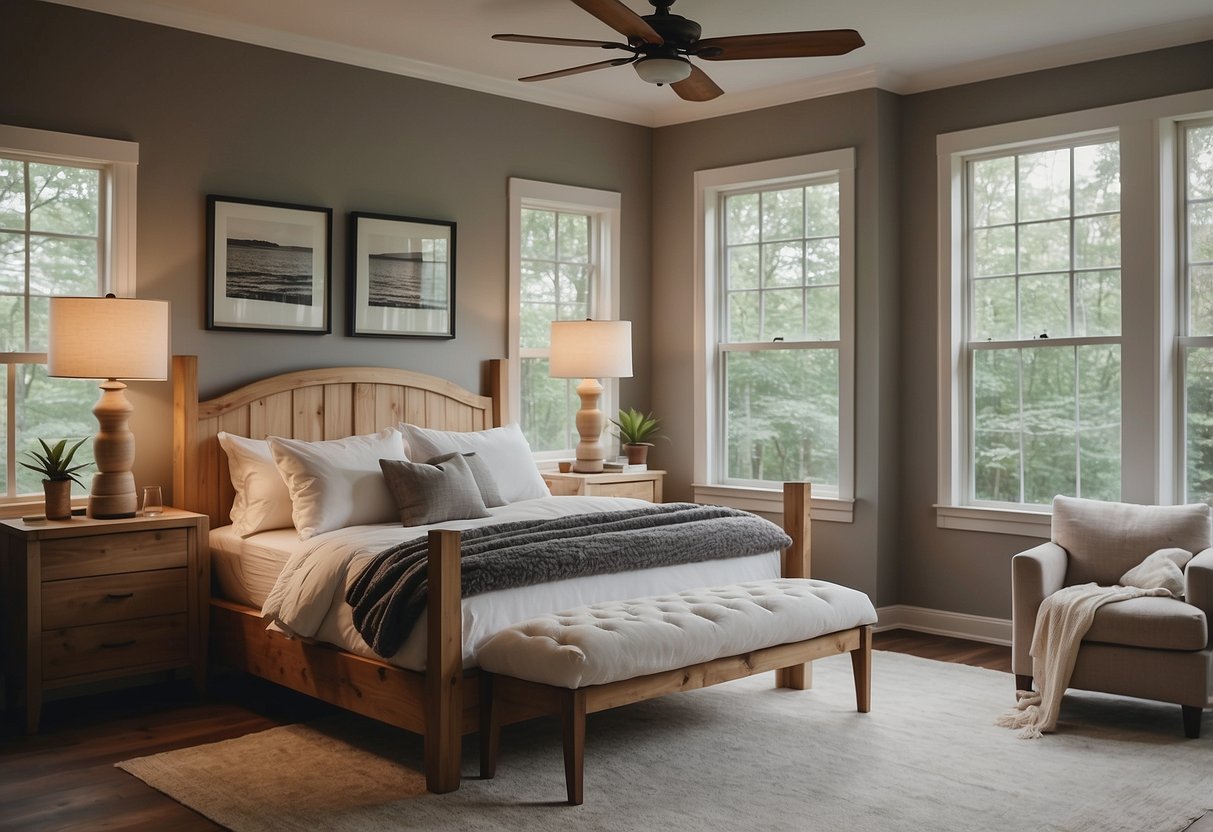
(1064,618)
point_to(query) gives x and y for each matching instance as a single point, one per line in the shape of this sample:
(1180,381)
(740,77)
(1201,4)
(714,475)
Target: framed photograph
(401,277)
(268,265)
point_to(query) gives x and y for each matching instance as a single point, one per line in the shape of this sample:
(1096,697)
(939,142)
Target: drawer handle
(119,596)
(114,645)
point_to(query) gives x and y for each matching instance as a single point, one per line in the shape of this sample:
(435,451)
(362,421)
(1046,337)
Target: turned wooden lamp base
(590,424)
(112,494)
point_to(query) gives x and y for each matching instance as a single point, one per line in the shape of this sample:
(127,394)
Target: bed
(440,699)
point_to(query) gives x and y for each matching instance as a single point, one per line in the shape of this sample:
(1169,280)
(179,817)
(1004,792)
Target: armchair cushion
(1158,623)
(1104,540)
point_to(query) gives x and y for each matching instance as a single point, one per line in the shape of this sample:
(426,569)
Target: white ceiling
(912,45)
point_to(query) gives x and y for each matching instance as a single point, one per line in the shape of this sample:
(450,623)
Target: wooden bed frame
(441,703)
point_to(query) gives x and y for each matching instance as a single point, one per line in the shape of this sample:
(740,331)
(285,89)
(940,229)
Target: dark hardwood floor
(64,777)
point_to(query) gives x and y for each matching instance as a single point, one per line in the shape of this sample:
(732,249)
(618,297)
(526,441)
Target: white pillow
(262,501)
(337,482)
(1163,568)
(504,450)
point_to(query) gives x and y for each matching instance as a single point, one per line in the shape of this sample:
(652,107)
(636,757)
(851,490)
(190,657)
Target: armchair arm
(1198,584)
(1035,575)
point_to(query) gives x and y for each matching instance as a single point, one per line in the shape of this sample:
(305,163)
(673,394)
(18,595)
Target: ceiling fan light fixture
(662,70)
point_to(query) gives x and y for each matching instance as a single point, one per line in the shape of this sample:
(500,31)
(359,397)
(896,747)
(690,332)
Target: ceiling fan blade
(575,70)
(622,19)
(562,41)
(697,86)
(779,45)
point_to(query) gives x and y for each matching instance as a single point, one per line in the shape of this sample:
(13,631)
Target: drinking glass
(153,503)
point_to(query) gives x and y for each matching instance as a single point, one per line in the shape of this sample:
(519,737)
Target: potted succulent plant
(58,474)
(636,430)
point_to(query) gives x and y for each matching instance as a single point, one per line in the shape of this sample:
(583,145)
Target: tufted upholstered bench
(604,655)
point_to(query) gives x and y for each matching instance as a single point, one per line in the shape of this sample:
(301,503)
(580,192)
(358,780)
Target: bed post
(796,561)
(443,664)
(498,383)
(185,432)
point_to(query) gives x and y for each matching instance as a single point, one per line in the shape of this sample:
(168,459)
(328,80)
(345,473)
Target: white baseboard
(944,623)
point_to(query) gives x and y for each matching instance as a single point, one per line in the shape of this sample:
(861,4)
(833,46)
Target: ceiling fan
(660,44)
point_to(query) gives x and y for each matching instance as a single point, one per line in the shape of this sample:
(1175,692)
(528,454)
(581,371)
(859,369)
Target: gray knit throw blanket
(390,594)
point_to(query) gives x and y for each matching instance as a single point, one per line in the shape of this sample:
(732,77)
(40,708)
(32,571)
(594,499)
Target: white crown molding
(944,623)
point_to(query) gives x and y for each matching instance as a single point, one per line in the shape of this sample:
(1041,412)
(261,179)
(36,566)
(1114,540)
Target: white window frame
(709,185)
(1151,439)
(603,208)
(118,161)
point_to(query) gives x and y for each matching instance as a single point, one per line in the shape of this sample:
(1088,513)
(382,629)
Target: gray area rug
(741,755)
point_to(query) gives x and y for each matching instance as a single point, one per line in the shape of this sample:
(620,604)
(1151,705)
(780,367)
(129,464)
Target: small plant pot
(57,496)
(637,454)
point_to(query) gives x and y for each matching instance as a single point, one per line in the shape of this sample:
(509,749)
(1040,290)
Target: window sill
(995,520)
(770,501)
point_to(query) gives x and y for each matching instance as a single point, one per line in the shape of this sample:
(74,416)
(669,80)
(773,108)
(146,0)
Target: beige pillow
(427,493)
(1163,569)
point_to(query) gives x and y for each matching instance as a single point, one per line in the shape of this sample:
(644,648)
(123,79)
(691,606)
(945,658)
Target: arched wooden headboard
(326,403)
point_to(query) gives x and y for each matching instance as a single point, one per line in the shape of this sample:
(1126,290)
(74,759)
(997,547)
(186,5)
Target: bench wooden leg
(861,666)
(796,677)
(1192,715)
(490,728)
(573,728)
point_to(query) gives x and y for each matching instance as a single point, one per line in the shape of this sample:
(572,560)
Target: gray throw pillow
(480,470)
(433,493)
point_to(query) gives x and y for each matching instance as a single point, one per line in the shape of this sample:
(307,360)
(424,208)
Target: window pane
(994,304)
(538,282)
(1044,246)
(1198,423)
(782,415)
(12,324)
(783,214)
(783,264)
(52,409)
(64,200)
(993,191)
(1200,162)
(548,407)
(783,315)
(12,194)
(574,240)
(1044,185)
(996,426)
(1200,232)
(39,322)
(1097,242)
(741,219)
(538,234)
(1097,303)
(574,284)
(742,267)
(1044,306)
(12,262)
(1097,178)
(535,325)
(823,313)
(743,317)
(1050,443)
(821,210)
(1200,300)
(1099,421)
(993,251)
(821,263)
(63,266)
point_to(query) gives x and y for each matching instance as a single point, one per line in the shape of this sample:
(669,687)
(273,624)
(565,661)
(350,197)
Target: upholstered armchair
(1150,647)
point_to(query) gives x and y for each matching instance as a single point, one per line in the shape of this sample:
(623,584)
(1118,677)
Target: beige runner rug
(737,756)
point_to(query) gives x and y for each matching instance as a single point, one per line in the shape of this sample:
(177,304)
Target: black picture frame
(268,266)
(401,277)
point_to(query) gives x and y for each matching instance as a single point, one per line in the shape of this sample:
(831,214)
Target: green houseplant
(54,463)
(636,430)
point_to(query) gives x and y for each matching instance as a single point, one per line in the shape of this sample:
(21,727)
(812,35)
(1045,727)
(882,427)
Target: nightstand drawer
(80,601)
(639,490)
(107,554)
(78,651)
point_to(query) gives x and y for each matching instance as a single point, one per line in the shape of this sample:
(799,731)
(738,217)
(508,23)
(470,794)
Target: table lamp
(590,350)
(110,338)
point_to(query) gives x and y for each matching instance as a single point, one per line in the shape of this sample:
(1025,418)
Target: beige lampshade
(119,338)
(591,349)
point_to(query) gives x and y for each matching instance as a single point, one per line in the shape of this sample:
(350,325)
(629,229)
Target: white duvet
(308,598)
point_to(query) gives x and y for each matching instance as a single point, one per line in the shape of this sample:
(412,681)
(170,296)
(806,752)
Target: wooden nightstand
(87,599)
(645,485)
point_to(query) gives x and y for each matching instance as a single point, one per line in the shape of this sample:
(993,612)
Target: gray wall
(859,554)
(969,572)
(216,116)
